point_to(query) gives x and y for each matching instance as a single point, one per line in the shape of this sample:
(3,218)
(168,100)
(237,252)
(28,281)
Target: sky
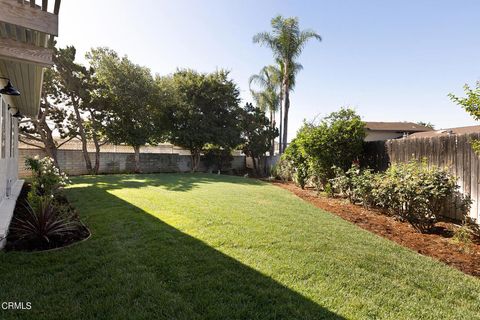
(389,60)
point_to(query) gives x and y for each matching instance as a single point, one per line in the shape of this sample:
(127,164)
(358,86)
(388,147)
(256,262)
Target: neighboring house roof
(396,126)
(446,132)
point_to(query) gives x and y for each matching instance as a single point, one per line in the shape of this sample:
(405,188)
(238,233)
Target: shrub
(411,191)
(355,184)
(342,183)
(419,192)
(47,179)
(463,235)
(45,223)
(283,170)
(46,220)
(299,162)
(336,141)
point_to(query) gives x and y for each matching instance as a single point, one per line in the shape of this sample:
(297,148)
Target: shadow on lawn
(199,281)
(169,181)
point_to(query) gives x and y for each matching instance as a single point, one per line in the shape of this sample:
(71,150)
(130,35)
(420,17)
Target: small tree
(471,104)
(336,141)
(257,133)
(204,110)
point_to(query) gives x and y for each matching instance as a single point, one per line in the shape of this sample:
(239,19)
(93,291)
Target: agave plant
(44,222)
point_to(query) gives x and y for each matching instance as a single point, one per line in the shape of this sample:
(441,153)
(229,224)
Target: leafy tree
(128,92)
(336,141)
(286,42)
(38,131)
(73,84)
(94,126)
(257,133)
(204,110)
(67,108)
(471,104)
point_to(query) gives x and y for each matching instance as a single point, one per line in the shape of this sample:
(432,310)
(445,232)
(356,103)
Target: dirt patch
(14,243)
(437,244)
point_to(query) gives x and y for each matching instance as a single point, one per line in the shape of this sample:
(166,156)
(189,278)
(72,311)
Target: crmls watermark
(10,305)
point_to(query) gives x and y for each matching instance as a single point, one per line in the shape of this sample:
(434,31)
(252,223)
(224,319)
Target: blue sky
(390,60)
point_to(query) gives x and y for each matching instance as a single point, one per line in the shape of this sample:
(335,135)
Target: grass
(183,246)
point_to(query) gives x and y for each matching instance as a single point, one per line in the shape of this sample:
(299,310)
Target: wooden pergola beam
(24,52)
(29,17)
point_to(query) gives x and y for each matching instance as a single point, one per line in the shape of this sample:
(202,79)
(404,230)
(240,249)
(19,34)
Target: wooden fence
(451,151)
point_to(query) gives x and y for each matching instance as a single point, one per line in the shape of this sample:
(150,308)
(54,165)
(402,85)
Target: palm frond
(257,79)
(302,39)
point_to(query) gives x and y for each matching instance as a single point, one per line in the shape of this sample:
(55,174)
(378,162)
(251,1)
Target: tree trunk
(95,138)
(192,161)
(255,170)
(286,102)
(197,163)
(272,124)
(96,168)
(195,158)
(51,151)
(281,123)
(83,138)
(42,128)
(137,158)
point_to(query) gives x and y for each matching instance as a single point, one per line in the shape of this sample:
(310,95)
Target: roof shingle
(445,132)
(396,126)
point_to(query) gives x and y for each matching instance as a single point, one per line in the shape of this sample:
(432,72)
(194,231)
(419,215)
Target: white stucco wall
(10,186)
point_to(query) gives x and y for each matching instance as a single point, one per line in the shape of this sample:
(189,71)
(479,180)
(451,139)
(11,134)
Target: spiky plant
(44,223)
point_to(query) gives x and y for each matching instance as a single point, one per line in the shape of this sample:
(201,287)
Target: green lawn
(183,246)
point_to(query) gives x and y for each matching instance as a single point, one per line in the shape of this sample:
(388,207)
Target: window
(3,125)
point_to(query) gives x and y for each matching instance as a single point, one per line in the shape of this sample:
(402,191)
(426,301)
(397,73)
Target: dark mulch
(436,244)
(14,244)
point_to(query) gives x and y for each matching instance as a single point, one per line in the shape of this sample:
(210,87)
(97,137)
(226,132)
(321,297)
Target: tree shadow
(168,181)
(188,278)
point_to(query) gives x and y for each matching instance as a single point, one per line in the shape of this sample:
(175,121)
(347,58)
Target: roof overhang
(27,31)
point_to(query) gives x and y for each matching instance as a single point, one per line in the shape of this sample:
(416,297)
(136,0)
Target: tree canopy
(203,110)
(257,134)
(129,95)
(116,100)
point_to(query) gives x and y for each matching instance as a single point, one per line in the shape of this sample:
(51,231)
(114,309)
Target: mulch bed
(13,244)
(437,244)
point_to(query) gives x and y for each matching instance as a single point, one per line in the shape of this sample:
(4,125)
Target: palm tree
(286,42)
(269,80)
